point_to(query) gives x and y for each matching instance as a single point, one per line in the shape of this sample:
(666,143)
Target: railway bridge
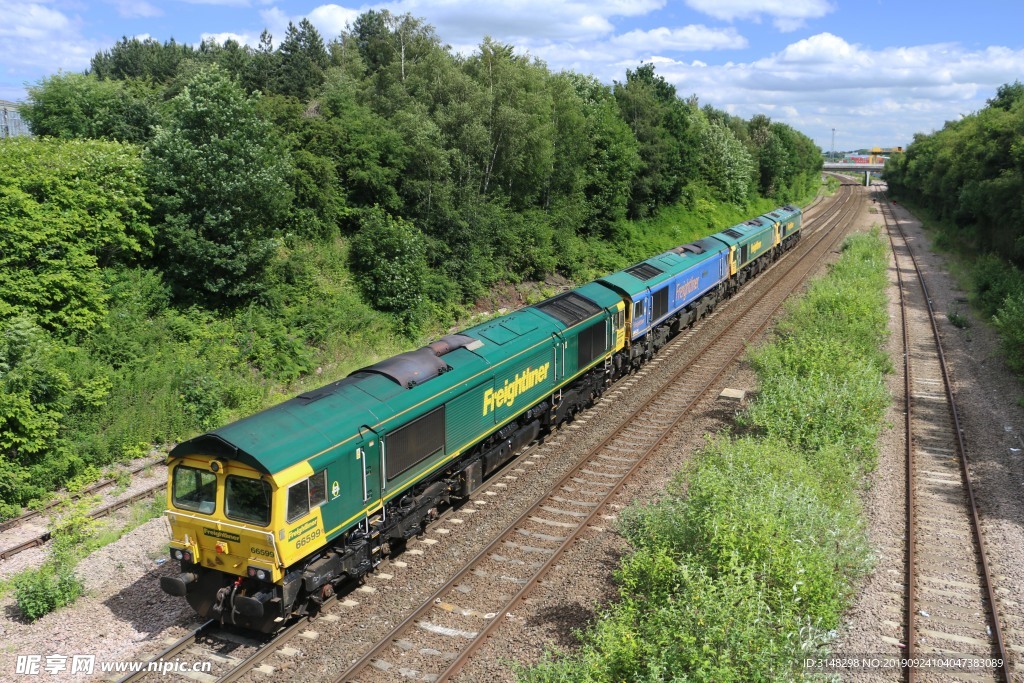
(866,169)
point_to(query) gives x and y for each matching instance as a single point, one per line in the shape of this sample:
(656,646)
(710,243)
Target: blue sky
(875,70)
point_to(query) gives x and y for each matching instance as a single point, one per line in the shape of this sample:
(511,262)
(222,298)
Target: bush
(68,208)
(994,281)
(38,592)
(388,257)
(1009,321)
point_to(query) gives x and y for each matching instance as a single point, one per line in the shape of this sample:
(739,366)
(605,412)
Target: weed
(122,480)
(38,592)
(957,319)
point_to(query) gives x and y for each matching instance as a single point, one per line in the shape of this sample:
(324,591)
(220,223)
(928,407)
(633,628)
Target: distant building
(11,123)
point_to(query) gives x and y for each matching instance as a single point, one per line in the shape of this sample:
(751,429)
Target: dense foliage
(196,231)
(748,562)
(972,173)
(969,178)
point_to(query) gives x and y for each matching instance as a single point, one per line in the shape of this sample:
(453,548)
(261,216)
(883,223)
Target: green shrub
(759,504)
(1009,321)
(994,280)
(389,259)
(38,592)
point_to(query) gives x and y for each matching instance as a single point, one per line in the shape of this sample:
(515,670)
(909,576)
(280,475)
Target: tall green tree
(218,191)
(302,61)
(134,58)
(648,104)
(517,160)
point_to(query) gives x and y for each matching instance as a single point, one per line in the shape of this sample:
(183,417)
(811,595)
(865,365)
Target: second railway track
(951,609)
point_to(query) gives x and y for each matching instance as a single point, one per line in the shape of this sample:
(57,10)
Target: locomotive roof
(318,421)
(657,269)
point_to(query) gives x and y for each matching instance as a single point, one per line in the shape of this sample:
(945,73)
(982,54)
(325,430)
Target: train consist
(270,513)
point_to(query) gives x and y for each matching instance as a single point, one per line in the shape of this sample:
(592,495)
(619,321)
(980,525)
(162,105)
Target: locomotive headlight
(257,573)
(176,554)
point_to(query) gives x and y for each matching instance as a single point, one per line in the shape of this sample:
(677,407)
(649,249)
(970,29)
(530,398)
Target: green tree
(518,158)
(217,189)
(147,59)
(302,61)
(68,208)
(649,105)
(612,159)
(725,164)
(83,106)
(389,259)
(260,72)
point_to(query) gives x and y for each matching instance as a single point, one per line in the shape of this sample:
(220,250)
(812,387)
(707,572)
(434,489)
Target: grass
(745,565)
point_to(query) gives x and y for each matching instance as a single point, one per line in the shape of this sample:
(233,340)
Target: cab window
(638,310)
(247,500)
(306,495)
(194,489)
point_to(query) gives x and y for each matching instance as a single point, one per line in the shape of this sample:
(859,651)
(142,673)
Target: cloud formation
(786,15)
(823,81)
(35,37)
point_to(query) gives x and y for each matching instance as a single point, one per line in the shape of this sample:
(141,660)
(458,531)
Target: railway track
(951,608)
(104,511)
(215,644)
(438,639)
(87,491)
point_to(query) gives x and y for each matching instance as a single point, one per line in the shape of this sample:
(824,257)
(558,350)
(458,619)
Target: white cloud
(32,21)
(523,22)
(132,9)
(687,39)
(240,38)
(224,3)
(787,15)
(38,39)
(331,20)
(824,81)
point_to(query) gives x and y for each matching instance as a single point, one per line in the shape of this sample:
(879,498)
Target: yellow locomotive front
(221,515)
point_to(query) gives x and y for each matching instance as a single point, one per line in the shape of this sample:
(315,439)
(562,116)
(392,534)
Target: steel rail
(908,437)
(171,650)
(42,538)
(93,488)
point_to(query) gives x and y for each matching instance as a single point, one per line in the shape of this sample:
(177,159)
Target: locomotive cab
(220,513)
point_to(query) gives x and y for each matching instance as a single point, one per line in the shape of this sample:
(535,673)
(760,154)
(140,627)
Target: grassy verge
(746,564)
